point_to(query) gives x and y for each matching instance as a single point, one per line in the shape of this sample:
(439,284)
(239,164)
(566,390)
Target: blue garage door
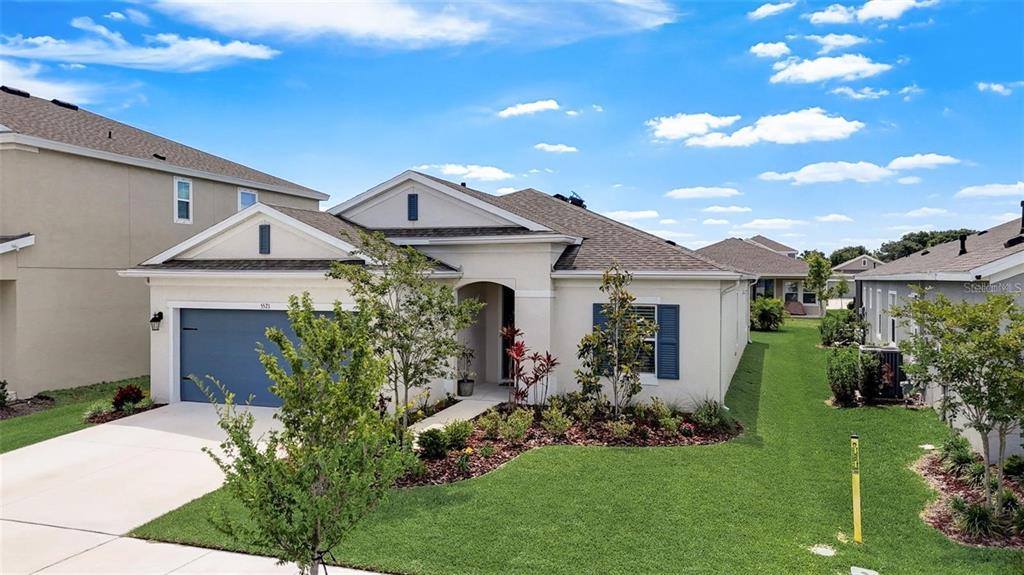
(222,343)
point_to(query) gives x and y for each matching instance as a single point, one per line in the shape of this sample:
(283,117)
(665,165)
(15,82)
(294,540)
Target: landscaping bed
(28,406)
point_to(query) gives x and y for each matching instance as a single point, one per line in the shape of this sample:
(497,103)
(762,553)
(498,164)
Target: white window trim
(256,196)
(878,315)
(191,201)
(891,303)
(652,377)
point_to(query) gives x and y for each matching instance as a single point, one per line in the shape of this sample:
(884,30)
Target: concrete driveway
(103,481)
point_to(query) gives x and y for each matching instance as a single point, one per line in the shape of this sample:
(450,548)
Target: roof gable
(772,244)
(754,258)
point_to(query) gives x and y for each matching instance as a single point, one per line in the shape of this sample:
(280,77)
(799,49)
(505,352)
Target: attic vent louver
(159,157)
(15,91)
(963,244)
(926,252)
(670,242)
(64,104)
(560,197)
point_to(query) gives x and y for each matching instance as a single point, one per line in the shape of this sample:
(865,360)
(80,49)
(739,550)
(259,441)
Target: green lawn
(64,417)
(752,505)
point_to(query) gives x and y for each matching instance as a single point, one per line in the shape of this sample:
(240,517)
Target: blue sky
(817,124)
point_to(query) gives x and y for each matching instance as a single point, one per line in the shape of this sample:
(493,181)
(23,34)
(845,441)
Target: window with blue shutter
(600,321)
(264,238)
(414,207)
(668,341)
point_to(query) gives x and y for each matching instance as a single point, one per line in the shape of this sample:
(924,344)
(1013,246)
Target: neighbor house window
(878,315)
(809,298)
(246,198)
(182,201)
(648,359)
(790,291)
(892,320)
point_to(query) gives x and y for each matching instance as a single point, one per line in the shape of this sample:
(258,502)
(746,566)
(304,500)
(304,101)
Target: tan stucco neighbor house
(81,197)
(534,259)
(781,274)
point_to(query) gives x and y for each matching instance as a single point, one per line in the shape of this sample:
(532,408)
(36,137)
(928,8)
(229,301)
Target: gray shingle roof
(753,258)
(982,248)
(457,232)
(605,240)
(43,119)
(772,244)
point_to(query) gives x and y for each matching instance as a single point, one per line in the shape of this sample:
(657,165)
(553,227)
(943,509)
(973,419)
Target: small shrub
(974,519)
(620,428)
(555,422)
(686,429)
(842,373)
(5,396)
(585,412)
(974,474)
(432,443)
(670,425)
(457,433)
(462,462)
(870,376)
(487,450)
(767,314)
(144,404)
(959,463)
(1017,521)
(130,393)
(97,409)
(657,410)
(712,417)
(954,444)
(841,327)
(128,408)
(1013,467)
(417,468)
(515,427)
(490,423)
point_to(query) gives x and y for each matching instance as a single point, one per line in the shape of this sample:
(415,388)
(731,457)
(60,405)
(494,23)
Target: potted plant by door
(465,375)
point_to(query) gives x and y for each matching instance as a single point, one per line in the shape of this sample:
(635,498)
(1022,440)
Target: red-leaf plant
(522,378)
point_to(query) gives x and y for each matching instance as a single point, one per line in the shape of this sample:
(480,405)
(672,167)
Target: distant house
(846,272)
(81,197)
(991,261)
(780,273)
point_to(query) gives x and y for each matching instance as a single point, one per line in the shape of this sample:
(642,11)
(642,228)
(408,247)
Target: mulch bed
(938,513)
(446,470)
(26,406)
(115,415)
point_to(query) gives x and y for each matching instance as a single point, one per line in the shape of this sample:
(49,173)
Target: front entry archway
(490,360)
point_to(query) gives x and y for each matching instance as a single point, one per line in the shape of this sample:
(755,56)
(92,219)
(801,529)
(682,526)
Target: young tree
(613,350)
(334,458)
(818,273)
(416,320)
(974,351)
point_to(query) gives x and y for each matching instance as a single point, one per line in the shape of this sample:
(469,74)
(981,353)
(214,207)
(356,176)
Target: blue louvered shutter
(264,238)
(414,207)
(601,321)
(668,341)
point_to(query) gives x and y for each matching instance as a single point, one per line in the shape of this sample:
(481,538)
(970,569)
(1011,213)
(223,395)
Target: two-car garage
(221,343)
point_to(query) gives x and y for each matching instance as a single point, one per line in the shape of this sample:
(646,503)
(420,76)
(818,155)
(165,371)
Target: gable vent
(264,239)
(413,207)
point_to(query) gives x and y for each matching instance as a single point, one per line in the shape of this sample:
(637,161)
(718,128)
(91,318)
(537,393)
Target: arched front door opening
(489,364)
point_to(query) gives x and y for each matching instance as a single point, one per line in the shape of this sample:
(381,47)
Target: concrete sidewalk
(28,548)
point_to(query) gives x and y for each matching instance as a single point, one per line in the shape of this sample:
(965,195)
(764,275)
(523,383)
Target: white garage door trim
(174,320)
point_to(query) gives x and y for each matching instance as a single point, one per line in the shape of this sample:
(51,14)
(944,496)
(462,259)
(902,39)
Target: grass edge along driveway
(65,416)
(752,505)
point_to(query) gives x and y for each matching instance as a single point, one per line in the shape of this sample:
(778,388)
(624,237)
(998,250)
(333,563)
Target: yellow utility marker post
(855,452)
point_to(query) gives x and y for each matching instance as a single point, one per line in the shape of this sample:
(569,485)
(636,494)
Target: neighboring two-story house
(81,197)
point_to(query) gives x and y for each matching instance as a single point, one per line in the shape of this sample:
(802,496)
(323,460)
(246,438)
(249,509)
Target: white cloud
(699,192)
(766,10)
(864,93)
(166,52)
(715,222)
(556,148)
(528,108)
(769,49)
(597,108)
(632,215)
(771,224)
(997,88)
(407,24)
(726,209)
(504,191)
(681,126)
(923,213)
(908,92)
(470,171)
(72,66)
(831,42)
(667,222)
(909,180)
(831,172)
(810,125)
(912,228)
(834,14)
(889,9)
(137,17)
(846,67)
(922,161)
(834,218)
(573,113)
(991,191)
(30,78)
(116,16)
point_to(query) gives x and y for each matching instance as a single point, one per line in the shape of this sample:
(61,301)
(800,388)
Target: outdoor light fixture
(154,322)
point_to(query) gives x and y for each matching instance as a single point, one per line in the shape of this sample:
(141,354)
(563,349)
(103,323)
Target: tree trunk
(987,456)
(999,468)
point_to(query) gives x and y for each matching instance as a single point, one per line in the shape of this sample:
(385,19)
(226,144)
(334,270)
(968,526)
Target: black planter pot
(465,387)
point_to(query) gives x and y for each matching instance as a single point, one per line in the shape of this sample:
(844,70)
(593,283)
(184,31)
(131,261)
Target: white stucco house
(533,258)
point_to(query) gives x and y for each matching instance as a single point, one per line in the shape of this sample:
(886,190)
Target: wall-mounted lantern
(154,322)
